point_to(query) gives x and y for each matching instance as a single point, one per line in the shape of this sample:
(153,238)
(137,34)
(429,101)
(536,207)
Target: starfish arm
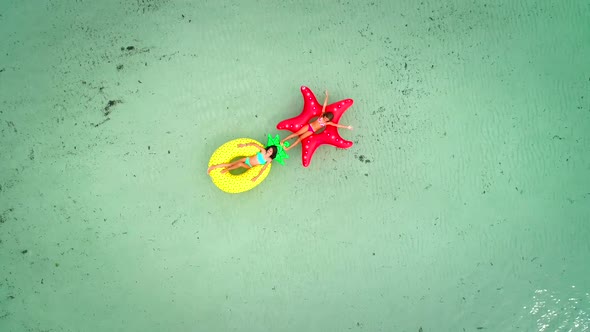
(311,109)
(308,147)
(332,137)
(292,124)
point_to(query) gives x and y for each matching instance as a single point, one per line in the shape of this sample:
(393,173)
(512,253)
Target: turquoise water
(463,205)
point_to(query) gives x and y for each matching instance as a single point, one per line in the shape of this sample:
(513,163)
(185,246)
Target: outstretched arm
(325,102)
(252,144)
(262,150)
(338,125)
(259,173)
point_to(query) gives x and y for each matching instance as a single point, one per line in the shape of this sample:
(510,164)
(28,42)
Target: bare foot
(214,167)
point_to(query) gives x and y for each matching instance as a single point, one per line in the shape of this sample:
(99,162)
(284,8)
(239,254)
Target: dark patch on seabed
(149,5)
(362,158)
(106,111)
(4,215)
(11,126)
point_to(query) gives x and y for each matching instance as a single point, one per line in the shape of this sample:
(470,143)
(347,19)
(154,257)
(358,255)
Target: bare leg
(216,166)
(301,138)
(228,165)
(234,166)
(299,132)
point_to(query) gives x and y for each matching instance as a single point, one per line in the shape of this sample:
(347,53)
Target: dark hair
(329,115)
(274,151)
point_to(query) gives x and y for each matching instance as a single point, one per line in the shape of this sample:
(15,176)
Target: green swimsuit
(260,158)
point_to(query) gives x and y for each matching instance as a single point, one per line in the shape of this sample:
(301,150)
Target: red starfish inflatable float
(311,109)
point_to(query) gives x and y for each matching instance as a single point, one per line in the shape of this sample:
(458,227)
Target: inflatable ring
(226,153)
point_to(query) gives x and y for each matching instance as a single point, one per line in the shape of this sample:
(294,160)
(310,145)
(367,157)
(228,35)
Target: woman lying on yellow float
(266,155)
(243,153)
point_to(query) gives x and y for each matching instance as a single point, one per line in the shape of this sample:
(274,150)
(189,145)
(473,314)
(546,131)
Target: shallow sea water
(462,206)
